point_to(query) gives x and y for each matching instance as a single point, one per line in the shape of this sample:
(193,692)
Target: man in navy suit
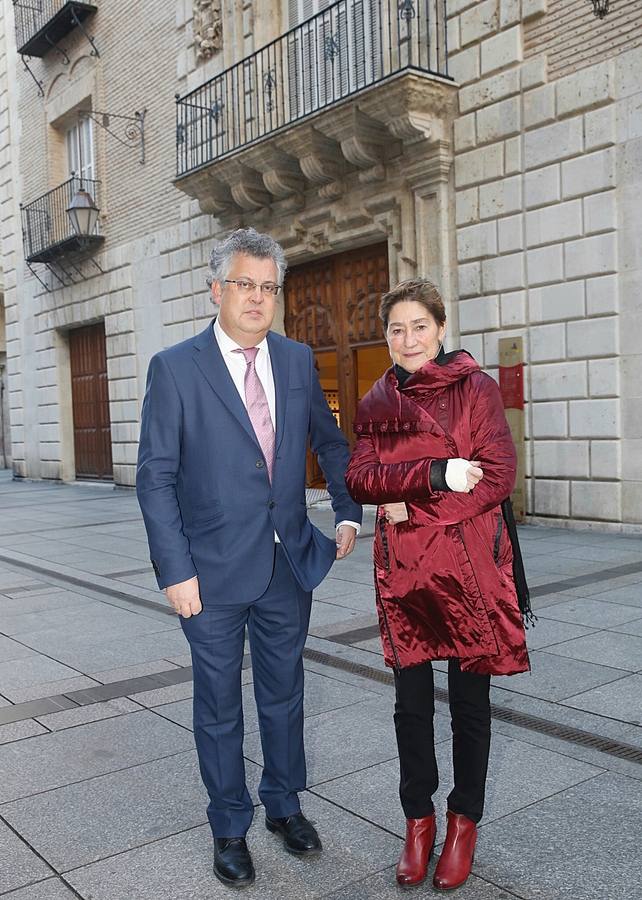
(225,426)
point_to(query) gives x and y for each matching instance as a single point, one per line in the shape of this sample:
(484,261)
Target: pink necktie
(258,409)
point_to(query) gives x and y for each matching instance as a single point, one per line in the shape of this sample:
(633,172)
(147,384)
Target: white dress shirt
(236,366)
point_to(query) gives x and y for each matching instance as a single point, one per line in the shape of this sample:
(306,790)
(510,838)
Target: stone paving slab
(31,677)
(556,677)
(341,741)
(75,612)
(83,715)
(518,775)
(336,620)
(634,627)
(40,601)
(582,753)
(549,632)
(180,866)
(18,864)
(18,731)
(619,650)
(12,649)
(591,612)
(384,887)
(321,695)
(91,618)
(51,889)
(123,673)
(625,589)
(620,699)
(108,654)
(625,595)
(581,843)
(52,760)
(80,823)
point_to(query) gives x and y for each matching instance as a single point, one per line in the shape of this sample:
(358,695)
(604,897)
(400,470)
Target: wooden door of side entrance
(90,399)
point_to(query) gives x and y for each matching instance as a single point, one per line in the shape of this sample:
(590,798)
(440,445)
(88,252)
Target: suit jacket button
(259,464)
(271,504)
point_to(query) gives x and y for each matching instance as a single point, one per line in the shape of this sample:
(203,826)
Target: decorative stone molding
(208,28)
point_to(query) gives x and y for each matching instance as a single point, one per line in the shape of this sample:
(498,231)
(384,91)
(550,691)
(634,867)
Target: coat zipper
(387,624)
(498,537)
(384,544)
(386,562)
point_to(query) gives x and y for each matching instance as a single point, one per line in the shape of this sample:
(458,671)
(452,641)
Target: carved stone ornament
(208,28)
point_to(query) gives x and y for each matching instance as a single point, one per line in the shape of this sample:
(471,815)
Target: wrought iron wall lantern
(600,8)
(133,130)
(83,214)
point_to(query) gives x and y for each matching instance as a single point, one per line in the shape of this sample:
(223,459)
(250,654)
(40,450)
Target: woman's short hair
(419,289)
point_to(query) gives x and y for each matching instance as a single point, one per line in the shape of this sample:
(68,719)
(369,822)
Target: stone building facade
(513,186)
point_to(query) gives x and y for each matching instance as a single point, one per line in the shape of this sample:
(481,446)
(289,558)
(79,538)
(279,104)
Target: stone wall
(545,230)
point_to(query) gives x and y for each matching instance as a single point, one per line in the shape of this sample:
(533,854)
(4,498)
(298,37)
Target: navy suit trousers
(277,625)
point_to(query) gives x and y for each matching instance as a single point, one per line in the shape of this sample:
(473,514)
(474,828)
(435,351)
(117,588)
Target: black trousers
(469,698)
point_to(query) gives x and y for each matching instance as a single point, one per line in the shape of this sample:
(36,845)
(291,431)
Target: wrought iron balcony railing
(343,50)
(46,226)
(40,24)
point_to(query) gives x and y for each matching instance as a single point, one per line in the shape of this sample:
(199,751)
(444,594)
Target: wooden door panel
(90,399)
(333,305)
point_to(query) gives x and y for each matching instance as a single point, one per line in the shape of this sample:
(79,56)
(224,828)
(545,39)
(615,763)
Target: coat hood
(385,402)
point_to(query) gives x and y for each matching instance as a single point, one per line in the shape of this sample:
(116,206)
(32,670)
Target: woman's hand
(395,513)
(462,474)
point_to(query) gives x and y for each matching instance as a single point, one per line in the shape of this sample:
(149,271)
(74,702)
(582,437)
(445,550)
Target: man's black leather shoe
(299,835)
(232,862)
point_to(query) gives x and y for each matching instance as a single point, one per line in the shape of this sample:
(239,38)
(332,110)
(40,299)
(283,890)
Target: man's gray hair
(250,242)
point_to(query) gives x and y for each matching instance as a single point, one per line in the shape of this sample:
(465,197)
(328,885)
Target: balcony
(46,228)
(355,80)
(41,24)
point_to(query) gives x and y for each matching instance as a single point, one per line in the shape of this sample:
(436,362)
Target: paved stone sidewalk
(100,796)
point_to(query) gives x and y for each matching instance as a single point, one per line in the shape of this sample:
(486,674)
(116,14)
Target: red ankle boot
(457,854)
(412,867)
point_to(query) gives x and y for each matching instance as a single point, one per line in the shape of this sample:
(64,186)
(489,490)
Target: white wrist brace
(456,475)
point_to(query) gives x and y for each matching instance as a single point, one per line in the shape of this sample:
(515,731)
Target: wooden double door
(90,399)
(332,305)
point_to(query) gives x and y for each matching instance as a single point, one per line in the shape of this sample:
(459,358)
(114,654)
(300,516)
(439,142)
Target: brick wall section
(536,176)
(573,38)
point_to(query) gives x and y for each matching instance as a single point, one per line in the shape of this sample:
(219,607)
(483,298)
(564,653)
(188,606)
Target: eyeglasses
(245,287)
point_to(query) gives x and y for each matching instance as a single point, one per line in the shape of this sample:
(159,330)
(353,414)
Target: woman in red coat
(435,453)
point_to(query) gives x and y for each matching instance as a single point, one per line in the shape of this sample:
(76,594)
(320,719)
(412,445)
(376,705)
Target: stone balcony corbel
(281,173)
(319,156)
(365,142)
(245,184)
(414,108)
(213,195)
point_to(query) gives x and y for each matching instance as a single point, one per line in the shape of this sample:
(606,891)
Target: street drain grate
(523,720)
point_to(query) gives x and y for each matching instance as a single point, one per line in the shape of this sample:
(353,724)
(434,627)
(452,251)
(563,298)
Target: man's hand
(346,536)
(185,597)
(395,512)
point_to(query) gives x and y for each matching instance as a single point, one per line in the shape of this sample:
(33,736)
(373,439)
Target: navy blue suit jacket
(202,483)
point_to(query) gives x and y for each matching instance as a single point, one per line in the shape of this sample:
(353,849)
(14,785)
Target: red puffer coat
(444,578)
